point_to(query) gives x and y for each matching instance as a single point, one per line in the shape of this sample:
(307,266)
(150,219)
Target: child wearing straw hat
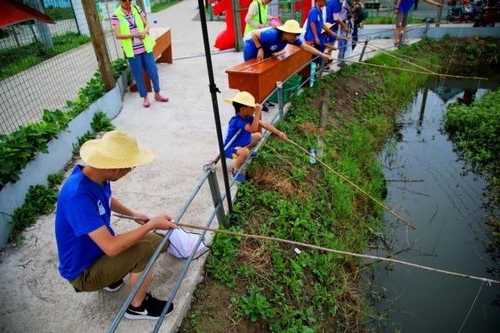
(91,255)
(271,41)
(244,131)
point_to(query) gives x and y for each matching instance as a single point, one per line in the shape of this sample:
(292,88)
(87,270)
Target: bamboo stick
(326,249)
(400,59)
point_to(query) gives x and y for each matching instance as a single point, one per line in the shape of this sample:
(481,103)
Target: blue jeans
(139,63)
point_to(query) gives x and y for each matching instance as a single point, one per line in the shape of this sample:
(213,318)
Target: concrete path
(33,296)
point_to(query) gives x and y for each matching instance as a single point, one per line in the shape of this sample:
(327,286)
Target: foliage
(160,5)
(57,13)
(21,146)
(15,60)
(39,200)
(255,305)
(475,130)
(282,291)
(389,20)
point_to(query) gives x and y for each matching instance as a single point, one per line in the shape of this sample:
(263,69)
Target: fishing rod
(326,249)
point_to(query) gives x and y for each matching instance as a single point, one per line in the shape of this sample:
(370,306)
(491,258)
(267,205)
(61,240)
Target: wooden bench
(259,77)
(162,52)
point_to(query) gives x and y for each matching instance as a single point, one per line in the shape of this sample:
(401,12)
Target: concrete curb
(59,152)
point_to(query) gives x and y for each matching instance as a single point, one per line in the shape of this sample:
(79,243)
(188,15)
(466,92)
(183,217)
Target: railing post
(281,98)
(216,197)
(312,74)
(427,26)
(363,50)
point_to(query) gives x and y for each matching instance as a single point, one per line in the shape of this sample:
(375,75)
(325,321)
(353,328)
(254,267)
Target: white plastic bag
(182,244)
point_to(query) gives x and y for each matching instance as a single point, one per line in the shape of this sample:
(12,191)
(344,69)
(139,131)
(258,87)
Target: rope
(326,249)
(347,180)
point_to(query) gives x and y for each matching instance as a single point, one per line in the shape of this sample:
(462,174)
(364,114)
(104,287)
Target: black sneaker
(150,308)
(114,286)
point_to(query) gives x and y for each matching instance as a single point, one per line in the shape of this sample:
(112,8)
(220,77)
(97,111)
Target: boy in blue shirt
(271,41)
(315,26)
(244,130)
(91,255)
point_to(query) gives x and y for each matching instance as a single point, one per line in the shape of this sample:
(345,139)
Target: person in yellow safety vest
(131,28)
(257,16)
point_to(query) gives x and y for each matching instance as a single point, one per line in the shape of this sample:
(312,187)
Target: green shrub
(21,146)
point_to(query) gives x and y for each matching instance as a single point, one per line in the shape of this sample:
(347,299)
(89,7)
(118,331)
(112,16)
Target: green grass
(58,14)
(160,5)
(389,20)
(267,287)
(16,60)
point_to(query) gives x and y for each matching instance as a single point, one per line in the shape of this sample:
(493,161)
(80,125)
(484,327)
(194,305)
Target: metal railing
(218,211)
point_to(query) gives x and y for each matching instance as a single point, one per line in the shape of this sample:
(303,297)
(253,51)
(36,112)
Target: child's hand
(282,136)
(258,107)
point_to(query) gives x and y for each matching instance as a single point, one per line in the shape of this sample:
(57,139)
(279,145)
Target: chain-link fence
(44,65)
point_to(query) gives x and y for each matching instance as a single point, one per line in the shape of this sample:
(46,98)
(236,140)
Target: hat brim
(284,29)
(231,100)
(92,156)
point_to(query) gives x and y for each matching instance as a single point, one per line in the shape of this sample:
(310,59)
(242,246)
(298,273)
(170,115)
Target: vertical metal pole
(74,16)
(216,197)
(439,14)
(427,26)
(215,105)
(237,25)
(363,50)
(281,98)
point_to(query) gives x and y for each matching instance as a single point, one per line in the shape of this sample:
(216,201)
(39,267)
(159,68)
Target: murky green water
(447,204)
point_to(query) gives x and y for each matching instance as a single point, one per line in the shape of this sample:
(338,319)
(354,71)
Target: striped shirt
(137,43)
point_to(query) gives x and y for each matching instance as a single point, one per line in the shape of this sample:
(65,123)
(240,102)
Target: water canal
(434,188)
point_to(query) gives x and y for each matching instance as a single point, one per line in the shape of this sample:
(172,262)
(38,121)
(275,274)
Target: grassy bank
(18,59)
(390,19)
(475,131)
(160,5)
(258,286)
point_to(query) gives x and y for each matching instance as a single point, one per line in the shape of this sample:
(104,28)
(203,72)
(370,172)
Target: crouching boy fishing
(91,255)
(244,131)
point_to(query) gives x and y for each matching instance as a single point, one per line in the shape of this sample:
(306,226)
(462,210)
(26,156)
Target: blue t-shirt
(332,6)
(315,17)
(271,41)
(243,139)
(82,207)
(405,6)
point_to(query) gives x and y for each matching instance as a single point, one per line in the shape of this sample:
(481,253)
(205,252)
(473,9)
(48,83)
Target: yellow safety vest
(260,17)
(127,46)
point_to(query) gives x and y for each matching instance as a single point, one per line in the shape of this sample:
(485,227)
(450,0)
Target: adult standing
(343,17)
(91,255)
(401,10)
(257,16)
(131,27)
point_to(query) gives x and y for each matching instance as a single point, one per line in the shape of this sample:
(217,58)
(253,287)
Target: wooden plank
(259,77)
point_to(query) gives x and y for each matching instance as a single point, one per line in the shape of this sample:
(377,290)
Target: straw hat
(115,150)
(290,26)
(243,97)
(328,25)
